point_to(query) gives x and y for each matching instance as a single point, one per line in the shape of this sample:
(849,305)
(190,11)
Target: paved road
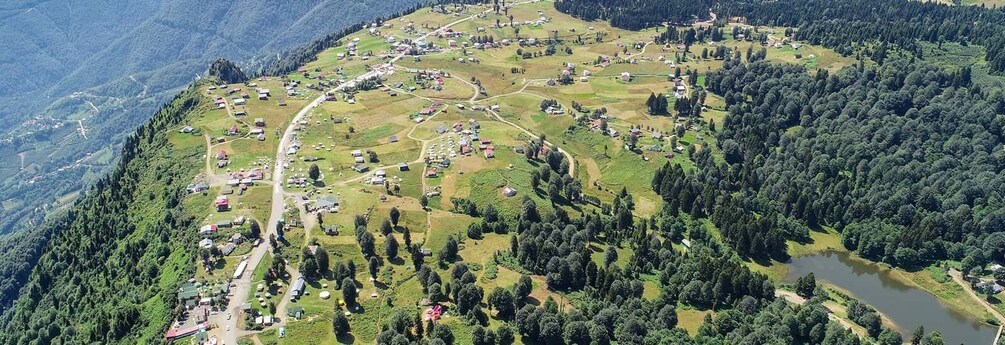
(243,285)
(229,333)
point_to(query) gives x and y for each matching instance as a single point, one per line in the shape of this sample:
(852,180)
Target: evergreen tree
(391,247)
(340,324)
(805,285)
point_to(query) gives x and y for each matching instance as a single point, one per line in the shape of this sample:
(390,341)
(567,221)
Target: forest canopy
(853,26)
(906,147)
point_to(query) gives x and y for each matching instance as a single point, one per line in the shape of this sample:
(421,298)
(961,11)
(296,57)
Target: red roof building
(175,333)
(222,203)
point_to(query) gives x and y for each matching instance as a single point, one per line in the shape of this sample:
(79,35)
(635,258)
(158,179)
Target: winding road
(242,286)
(572,161)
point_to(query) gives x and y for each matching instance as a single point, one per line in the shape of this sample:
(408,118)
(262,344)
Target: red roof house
(222,203)
(175,333)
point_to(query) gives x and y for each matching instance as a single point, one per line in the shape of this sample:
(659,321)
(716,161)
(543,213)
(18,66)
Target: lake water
(908,306)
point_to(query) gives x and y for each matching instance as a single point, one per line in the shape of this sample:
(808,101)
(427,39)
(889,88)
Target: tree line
(873,28)
(123,248)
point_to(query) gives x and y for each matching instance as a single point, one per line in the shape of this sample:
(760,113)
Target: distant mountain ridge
(78,76)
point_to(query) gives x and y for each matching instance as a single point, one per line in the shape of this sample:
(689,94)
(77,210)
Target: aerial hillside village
(330,191)
(431,130)
(530,172)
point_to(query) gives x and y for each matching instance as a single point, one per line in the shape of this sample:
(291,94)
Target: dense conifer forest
(111,271)
(905,157)
(855,26)
(635,15)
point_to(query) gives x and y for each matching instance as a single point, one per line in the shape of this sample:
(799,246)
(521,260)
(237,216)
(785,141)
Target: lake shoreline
(907,299)
(829,240)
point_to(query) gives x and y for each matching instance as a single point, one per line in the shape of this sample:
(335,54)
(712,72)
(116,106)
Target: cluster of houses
(222,159)
(225,248)
(358,159)
(200,301)
(456,9)
(540,20)
(555,110)
(431,79)
(263,94)
(237,184)
(416,48)
(258,132)
(198,297)
(989,286)
(350,50)
(291,90)
(197,186)
(597,125)
(323,81)
(427,111)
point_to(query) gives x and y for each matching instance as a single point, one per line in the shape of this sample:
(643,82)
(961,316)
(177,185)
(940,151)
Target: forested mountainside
(638,14)
(852,26)
(25,247)
(109,65)
(903,157)
(111,271)
(906,144)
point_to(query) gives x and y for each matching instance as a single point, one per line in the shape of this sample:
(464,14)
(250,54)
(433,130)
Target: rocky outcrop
(227,72)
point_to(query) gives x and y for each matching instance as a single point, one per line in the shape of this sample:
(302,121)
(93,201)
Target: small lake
(908,306)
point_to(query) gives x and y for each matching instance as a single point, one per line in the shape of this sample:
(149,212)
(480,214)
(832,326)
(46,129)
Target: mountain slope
(79,77)
(111,272)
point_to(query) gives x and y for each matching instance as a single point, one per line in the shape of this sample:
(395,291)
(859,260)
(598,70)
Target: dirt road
(242,286)
(958,278)
(793,298)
